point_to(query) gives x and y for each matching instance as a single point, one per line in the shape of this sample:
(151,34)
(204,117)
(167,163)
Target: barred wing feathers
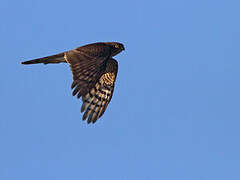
(97,99)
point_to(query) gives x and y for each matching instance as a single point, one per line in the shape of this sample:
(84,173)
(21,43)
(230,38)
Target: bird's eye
(116,46)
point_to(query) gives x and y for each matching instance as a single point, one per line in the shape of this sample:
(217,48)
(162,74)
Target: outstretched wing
(97,99)
(86,68)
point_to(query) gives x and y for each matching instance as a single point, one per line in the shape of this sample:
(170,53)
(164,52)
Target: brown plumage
(94,74)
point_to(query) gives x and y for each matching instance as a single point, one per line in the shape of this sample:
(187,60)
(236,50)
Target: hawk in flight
(94,73)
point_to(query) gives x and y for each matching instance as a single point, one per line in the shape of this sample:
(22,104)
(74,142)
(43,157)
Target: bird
(94,73)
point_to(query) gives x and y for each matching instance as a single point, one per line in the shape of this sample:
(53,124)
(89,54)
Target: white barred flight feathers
(94,74)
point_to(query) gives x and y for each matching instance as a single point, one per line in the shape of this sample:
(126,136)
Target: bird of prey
(94,73)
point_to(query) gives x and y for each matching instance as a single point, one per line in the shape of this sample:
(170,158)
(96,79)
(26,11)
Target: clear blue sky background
(175,110)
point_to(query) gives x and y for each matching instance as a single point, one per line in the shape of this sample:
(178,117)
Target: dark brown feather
(58,58)
(86,70)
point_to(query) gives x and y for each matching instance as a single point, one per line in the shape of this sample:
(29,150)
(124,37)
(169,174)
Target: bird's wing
(97,99)
(86,70)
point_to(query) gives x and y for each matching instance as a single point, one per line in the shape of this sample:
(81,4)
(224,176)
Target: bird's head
(116,47)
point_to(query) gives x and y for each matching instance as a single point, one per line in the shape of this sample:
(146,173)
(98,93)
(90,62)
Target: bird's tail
(58,58)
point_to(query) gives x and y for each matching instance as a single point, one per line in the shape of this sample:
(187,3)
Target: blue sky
(175,110)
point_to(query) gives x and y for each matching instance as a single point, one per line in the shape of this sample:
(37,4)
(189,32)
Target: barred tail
(58,58)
